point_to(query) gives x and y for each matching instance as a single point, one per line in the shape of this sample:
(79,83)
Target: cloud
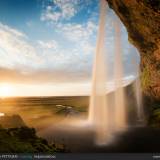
(12,31)
(41,76)
(14,47)
(79,37)
(42,60)
(52,44)
(49,15)
(60,10)
(77,32)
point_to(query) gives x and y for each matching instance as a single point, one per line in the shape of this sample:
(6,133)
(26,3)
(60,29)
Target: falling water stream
(138,95)
(98,110)
(120,117)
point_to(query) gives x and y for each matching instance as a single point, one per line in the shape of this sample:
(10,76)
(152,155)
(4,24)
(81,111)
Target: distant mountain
(14,121)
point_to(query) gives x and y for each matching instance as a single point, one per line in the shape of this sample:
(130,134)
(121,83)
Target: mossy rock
(145,78)
(23,140)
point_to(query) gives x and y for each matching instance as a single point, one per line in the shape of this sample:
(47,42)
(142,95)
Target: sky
(47,46)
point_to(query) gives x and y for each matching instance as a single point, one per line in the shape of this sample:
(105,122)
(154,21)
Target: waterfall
(106,118)
(104,121)
(120,117)
(98,110)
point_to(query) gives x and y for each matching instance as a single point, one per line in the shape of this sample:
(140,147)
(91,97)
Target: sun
(6,90)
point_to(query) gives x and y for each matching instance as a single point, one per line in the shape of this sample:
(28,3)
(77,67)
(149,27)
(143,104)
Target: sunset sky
(47,47)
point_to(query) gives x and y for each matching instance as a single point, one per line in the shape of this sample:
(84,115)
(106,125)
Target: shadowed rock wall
(142,20)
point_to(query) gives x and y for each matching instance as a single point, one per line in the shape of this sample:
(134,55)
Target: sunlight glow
(6,90)
(2,114)
(63,89)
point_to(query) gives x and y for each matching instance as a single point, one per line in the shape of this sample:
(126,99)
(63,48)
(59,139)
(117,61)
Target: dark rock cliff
(142,20)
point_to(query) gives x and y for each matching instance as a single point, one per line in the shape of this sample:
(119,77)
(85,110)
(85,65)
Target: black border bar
(82,156)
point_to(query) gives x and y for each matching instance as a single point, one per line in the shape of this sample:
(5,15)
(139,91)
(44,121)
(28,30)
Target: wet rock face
(142,20)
